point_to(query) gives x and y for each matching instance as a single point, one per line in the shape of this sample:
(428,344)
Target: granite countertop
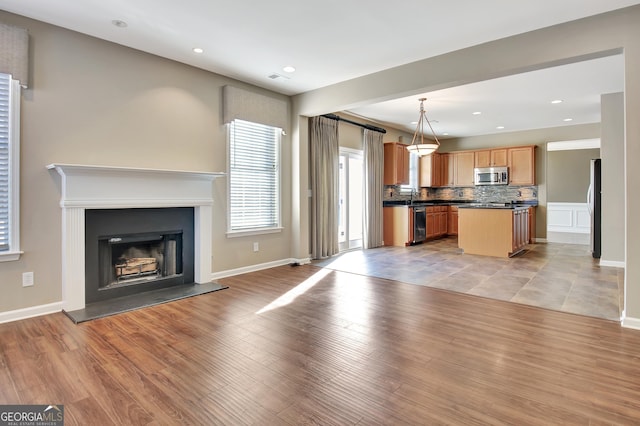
(500,206)
(460,203)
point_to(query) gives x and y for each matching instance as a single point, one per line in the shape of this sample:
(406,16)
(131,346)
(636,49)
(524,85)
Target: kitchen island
(493,230)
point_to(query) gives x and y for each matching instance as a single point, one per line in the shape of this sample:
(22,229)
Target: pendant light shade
(419,145)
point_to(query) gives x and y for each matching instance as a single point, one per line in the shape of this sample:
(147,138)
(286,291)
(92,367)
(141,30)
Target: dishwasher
(419,224)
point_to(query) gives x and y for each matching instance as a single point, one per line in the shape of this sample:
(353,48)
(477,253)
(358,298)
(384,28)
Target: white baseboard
(613,263)
(629,322)
(258,267)
(30,312)
(540,240)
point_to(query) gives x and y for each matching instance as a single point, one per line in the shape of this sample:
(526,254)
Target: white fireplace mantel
(104,187)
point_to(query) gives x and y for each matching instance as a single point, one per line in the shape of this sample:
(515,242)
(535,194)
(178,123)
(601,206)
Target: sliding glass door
(350,204)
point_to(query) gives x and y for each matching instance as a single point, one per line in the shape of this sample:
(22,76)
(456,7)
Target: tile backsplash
(483,194)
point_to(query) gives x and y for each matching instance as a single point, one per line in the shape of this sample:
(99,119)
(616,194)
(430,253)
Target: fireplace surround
(90,187)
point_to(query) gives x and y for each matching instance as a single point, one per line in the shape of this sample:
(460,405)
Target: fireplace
(129,251)
(86,189)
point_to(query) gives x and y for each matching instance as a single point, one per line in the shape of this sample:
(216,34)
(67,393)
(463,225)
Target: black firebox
(129,251)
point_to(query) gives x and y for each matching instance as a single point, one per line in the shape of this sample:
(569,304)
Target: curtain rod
(346,120)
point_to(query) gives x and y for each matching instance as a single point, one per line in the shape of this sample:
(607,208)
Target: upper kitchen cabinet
(521,162)
(491,157)
(463,170)
(396,164)
(447,169)
(430,171)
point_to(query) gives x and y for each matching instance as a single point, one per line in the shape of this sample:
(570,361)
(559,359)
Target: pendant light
(419,146)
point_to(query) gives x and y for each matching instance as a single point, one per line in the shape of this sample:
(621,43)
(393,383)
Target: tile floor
(556,276)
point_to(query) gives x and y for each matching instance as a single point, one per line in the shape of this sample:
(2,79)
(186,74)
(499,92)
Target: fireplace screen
(139,258)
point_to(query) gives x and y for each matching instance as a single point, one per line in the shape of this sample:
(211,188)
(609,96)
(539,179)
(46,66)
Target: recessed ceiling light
(556,101)
(289,68)
(476,113)
(198,50)
(118,23)
(500,127)
(568,119)
(445,134)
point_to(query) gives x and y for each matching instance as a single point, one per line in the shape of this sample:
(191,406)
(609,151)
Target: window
(9,162)
(254,178)
(412,186)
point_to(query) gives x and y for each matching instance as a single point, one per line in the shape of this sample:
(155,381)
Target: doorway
(350,201)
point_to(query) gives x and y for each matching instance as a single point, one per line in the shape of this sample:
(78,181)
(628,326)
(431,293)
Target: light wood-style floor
(307,345)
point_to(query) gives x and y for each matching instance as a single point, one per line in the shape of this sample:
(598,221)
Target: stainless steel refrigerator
(594,204)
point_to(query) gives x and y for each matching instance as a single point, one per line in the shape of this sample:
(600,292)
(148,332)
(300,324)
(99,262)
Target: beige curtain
(325,153)
(373,175)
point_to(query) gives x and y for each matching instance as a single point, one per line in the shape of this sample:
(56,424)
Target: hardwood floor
(307,345)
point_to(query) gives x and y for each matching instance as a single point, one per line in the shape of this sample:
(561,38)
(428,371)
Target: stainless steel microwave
(491,175)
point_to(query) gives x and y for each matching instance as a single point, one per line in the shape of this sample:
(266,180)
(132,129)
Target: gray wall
(613,182)
(568,175)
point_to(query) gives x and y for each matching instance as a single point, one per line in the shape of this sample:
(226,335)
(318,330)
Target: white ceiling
(337,40)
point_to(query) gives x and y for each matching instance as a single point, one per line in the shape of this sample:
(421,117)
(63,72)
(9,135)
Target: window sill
(10,256)
(234,234)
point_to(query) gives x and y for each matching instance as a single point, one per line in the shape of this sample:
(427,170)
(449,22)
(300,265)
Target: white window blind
(9,168)
(5,156)
(254,183)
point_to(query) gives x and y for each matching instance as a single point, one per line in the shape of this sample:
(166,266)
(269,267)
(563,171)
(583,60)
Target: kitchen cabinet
(532,225)
(452,220)
(398,225)
(463,168)
(397,229)
(456,169)
(521,163)
(430,171)
(447,169)
(396,164)
(491,157)
(520,237)
(493,231)
(436,221)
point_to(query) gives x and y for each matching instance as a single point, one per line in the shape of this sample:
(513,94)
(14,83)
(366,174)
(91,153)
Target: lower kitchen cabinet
(493,232)
(452,221)
(532,225)
(436,221)
(397,229)
(520,230)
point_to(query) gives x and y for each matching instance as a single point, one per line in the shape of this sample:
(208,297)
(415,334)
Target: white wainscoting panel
(568,217)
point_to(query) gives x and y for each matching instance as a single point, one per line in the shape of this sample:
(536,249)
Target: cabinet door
(437,170)
(452,221)
(447,168)
(532,225)
(443,222)
(498,157)
(521,162)
(429,171)
(464,162)
(431,222)
(483,158)
(396,164)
